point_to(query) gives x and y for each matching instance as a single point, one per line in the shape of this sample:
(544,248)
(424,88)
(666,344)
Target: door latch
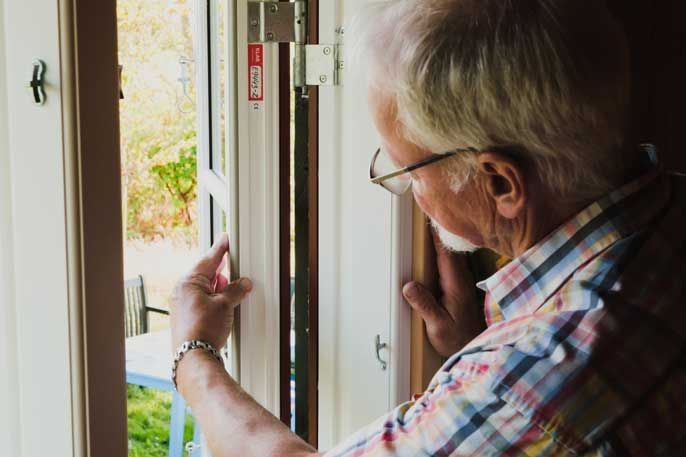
(379,345)
(37,82)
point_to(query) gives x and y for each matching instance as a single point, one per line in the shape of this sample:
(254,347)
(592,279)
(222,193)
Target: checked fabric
(585,349)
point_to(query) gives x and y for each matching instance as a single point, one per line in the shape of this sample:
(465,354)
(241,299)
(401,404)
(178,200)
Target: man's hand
(204,300)
(233,423)
(456,318)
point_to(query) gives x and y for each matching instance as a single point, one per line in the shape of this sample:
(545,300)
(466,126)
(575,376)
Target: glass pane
(219,220)
(159,202)
(219,76)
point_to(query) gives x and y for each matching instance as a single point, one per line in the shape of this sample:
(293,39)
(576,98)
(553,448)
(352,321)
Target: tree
(179,178)
(158,140)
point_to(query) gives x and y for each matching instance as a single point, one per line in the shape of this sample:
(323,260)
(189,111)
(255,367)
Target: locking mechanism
(37,83)
(286,22)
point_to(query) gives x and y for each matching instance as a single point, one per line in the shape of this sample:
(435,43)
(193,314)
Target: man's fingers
(209,264)
(236,291)
(222,282)
(424,302)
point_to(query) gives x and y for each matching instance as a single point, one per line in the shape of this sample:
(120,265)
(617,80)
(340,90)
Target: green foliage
(157,123)
(148,422)
(179,179)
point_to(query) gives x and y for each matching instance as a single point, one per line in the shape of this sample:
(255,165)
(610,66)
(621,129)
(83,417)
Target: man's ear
(505,183)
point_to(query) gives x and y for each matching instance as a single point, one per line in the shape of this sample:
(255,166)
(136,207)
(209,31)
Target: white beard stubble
(451,241)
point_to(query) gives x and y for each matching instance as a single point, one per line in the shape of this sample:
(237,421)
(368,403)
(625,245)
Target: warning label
(255,72)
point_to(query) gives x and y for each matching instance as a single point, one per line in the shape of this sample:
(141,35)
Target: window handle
(379,345)
(37,82)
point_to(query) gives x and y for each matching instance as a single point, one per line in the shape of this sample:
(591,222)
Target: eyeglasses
(385,173)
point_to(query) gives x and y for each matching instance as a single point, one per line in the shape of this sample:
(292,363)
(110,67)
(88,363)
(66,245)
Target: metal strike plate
(276,22)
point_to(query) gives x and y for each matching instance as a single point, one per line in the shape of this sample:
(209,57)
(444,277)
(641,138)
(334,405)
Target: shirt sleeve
(458,415)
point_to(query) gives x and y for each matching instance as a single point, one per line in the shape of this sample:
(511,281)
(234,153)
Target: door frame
(80,49)
(94,221)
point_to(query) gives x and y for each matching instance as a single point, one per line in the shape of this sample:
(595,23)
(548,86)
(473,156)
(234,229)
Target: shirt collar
(523,285)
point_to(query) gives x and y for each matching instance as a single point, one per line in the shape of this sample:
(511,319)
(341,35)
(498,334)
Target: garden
(158,150)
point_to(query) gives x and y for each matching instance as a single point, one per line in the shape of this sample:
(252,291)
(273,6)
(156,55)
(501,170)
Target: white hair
(544,80)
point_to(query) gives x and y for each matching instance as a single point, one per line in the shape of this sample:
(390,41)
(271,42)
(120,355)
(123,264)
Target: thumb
(236,291)
(423,301)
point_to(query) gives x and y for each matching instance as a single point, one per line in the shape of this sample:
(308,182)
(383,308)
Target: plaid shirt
(585,350)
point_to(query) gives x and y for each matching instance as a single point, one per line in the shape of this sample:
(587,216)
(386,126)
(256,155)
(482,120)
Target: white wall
(9,412)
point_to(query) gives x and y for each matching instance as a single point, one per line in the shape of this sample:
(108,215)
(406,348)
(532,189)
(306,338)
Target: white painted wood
(201,55)
(9,385)
(258,222)
(220,188)
(231,139)
(249,193)
(41,386)
(215,185)
(364,258)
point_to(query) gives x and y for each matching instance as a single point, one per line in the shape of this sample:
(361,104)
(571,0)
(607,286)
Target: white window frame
(252,172)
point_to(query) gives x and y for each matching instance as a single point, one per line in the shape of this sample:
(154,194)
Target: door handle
(37,83)
(379,345)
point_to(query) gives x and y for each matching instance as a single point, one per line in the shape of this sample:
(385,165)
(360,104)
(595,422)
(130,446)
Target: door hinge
(286,22)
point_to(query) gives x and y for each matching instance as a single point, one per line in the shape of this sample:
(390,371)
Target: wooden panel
(424,360)
(101,222)
(313,248)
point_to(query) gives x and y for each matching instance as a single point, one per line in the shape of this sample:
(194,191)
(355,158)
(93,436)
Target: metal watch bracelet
(187,346)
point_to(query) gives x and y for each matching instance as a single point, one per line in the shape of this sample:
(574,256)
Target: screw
(270,36)
(254,22)
(322,79)
(327,51)
(274,8)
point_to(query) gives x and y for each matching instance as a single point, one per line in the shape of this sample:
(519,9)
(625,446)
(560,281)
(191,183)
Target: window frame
(252,171)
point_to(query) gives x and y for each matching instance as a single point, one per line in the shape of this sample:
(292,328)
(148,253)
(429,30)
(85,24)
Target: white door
(364,233)
(237,180)
(365,257)
(35,362)
(60,233)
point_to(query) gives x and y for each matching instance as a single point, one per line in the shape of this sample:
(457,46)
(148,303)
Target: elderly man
(507,119)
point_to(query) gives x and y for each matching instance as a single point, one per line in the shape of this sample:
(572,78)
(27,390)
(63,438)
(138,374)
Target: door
(60,219)
(365,256)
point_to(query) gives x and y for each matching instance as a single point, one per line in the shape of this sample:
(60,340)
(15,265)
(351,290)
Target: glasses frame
(401,171)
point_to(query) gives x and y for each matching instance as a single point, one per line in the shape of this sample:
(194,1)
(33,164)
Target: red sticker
(255,72)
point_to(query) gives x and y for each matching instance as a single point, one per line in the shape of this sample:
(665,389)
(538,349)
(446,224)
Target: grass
(148,420)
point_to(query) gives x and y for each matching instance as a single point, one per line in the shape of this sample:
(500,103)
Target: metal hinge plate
(285,22)
(322,64)
(276,22)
